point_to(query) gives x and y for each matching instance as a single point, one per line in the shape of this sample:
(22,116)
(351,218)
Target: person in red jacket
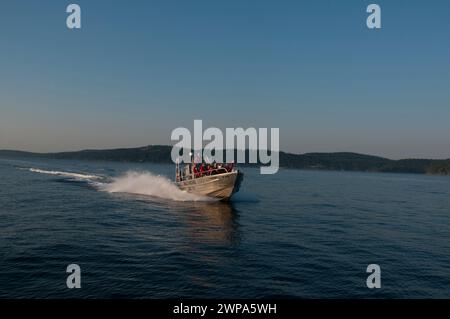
(195,171)
(202,169)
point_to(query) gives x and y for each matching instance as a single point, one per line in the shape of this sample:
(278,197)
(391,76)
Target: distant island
(342,161)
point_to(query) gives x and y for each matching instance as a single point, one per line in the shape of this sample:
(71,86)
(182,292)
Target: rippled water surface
(294,234)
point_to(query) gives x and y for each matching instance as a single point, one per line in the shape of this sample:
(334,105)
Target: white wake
(65,174)
(140,183)
(146,183)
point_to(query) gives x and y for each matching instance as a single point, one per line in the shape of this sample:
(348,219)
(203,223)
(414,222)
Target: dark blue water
(294,234)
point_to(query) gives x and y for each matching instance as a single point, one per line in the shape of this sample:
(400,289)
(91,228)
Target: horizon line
(165,145)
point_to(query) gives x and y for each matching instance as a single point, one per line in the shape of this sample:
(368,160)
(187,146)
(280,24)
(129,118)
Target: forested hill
(318,161)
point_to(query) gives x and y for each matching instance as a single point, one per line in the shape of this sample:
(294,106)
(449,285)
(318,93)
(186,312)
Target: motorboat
(220,181)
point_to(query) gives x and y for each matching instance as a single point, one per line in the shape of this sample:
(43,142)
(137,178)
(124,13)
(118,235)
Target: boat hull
(221,186)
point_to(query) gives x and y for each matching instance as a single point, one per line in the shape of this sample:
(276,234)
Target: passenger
(195,171)
(202,169)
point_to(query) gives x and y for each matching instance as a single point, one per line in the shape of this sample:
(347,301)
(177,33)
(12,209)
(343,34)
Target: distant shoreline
(340,161)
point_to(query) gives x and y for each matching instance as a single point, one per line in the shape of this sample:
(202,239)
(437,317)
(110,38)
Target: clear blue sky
(138,69)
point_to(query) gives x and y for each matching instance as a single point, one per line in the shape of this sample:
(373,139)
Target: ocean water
(300,234)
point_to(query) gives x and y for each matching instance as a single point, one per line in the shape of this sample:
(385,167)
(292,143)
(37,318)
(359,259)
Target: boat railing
(208,172)
(214,171)
(197,174)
